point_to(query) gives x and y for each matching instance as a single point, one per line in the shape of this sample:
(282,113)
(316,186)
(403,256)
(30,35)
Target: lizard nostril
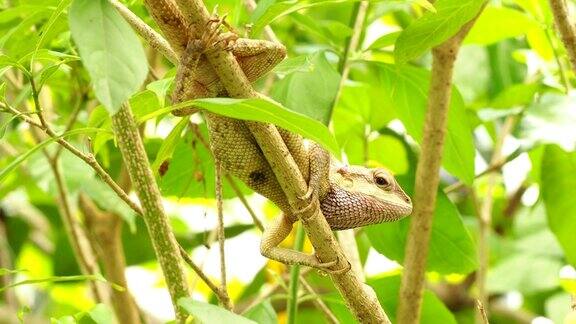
(407,199)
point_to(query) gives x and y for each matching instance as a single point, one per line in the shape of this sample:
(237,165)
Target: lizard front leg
(257,57)
(275,234)
(196,78)
(282,226)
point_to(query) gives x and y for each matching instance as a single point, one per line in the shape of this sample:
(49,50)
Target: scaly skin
(349,196)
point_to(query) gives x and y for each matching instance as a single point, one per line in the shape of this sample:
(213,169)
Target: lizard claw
(215,40)
(327,267)
(312,191)
(303,211)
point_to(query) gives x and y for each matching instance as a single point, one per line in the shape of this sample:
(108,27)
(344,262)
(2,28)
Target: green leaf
(551,120)
(64,320)
(101,314)
(498,23)
(106,198)
(110,51)
(558,184)
(384,41)
(206,313)
(406,89)
(7,169)
(433,311)
(434,28)
(268,11)
(46,28)
(557,307)
(190,170)
(310,93)
(169,144)
(451,248)
(96,277)
(525,273)
(261,110)
(516,95)
(262,313)
(294,64)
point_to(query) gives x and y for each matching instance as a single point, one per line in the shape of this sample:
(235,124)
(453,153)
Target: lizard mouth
(394,210)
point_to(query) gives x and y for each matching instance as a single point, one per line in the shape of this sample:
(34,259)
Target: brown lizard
(349,196)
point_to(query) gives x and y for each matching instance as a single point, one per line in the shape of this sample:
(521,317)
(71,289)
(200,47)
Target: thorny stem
(565,28)
(427,177)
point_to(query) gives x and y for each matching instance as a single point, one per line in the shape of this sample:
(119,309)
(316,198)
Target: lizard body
(349,196)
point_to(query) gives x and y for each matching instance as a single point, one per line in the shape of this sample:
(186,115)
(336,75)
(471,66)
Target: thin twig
(563,77)
(93,163)
(318,301)
(491,168)
(154,39)
(86,157)
(347,238)
(244,202)
(292,300)
(76,235)
(485,216)
(221,236)
(78,240)
(351,47)
(6,262)
(268,32)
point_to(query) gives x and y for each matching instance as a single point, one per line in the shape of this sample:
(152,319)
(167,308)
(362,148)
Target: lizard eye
(382,181)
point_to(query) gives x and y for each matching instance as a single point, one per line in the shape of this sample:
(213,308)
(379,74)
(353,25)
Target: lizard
(349,196)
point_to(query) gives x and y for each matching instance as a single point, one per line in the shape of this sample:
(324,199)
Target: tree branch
(105,229)
(565,28)
(163,240)
(361,302)
(154,39)
(427,177)
(93,163)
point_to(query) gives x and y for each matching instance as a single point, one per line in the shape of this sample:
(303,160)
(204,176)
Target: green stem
(561,70)
(292,301)
(163,240)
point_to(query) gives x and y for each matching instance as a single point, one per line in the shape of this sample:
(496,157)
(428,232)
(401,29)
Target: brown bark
(105,234)
(427,177)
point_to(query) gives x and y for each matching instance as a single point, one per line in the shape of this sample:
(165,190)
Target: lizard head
(382,196)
